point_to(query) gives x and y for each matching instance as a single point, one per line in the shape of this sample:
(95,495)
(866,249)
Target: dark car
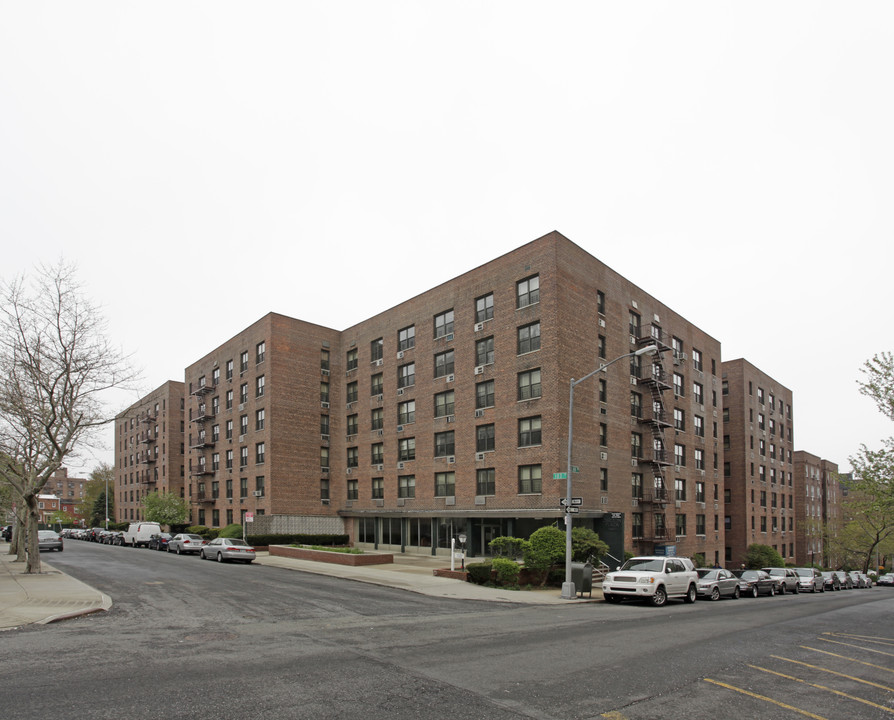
(844,580)
(759,582)
(714,583)
(831,581)
(159,542)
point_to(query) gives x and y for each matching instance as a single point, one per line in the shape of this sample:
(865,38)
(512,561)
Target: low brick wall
(453,574)
(336,558)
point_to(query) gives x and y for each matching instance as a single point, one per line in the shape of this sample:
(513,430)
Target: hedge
(298,539)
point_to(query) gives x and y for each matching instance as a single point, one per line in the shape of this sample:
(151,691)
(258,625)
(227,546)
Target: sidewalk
(52,595)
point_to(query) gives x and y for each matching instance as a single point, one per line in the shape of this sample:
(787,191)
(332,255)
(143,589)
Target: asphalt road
(194,639)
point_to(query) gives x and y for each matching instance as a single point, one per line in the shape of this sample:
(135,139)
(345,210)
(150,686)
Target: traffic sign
(575,502)
(560,476)
(249,517)
(575,468)
(572,510)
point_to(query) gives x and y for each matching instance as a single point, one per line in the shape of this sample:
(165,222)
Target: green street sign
(560,476)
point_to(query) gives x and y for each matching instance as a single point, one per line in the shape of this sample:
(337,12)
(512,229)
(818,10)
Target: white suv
(655,578)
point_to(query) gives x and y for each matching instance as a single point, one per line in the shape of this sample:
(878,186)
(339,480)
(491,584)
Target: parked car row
(657,579)
(220,549)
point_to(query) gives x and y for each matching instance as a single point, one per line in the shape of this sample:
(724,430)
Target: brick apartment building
(149,456)
(69,490)
(759,466)
(817,506)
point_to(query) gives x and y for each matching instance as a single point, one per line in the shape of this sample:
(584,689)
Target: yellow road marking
(867,638)
(613,715)
(833,672)
(765,698)
(845,657)
(823,687)
(859,647)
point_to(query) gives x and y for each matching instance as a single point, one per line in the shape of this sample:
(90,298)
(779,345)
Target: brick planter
(454,574)
(336,558)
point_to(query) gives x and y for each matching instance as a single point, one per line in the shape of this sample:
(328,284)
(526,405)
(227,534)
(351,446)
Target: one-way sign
(575,502)
(572,510)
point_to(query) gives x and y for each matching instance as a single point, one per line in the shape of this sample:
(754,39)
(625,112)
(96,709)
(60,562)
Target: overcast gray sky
(336,158)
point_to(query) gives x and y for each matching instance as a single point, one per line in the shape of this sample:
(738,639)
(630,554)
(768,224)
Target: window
(444,404)
(215,461)
(763,498)
(679,454)
(484,351)
(243,361)
(634,323)
(680,489)
(699,524)
(527,291)
(406,412)
(698,425)
(529,338)
(636,445)
(760,395)
(324,459)
(697,360)
(406,449)
(324,392)
(229,400)
(698,393)
(243,424)
(215,433)
(484,308)
(243,457)
(637,525)
(600,302)
(763,524)
(484,394)
(353,457)
(260,352)
(678,385)
(324,489)
(636,404)
(351,359)
(352,392)
(406,338)
(603,434)
(324,424)
(681,525)
(529,384)
(243,393)
(352,424)
(600,347)
(406,486)
(678,348)
(260,418)
(229,487)
(700,491)
(353,493)
(215,489)
(229,430)
(378,488)
(444,364)
(215,377)
(243,487)
(376,350)
(603,479)
(259,452)
(445,484)
(229,373)
(377,453)
(324,360)
(377,418)
(444,323)
(406,375)
(485,482)
(529,479)
(484,438)
(699,456)
(229,459)
(529,431)
(444,444)
(603,390)
(679,419)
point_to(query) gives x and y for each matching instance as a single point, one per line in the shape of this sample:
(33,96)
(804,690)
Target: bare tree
(56,362)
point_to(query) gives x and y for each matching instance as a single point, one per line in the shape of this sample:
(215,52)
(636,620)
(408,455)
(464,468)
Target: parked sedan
(886,579)
(857,579)
(844,580)
(786,577)
(49,540)
(159,542)
(186,543)
(810,580)
(221,549)
(717,583)
(759,582)
(831,581)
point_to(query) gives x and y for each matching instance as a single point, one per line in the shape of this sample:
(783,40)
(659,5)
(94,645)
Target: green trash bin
(582,577)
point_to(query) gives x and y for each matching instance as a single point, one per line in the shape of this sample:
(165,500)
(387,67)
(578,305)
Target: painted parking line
(823,687)
(849,659)
(765,699)
(833,672)
(859,647)
(614,715)
(874,639)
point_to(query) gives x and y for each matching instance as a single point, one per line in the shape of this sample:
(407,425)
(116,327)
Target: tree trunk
(32,559)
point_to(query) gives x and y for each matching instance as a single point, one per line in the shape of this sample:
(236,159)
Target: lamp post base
(569,591)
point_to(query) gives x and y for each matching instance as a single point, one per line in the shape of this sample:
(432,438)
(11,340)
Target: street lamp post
(568,591)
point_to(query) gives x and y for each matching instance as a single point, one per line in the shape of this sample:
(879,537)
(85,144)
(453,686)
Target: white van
(138,534)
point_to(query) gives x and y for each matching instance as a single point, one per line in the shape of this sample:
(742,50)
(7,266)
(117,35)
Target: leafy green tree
(165,508)
(94,502)
(544,548)
(584,543)
(761,556)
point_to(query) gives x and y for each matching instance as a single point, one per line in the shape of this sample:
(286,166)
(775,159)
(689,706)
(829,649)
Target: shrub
(507,570)
(545,548)
(699,560)
(231,531)
(206,532)
(507,547)
(479,573)
(585,542)
(759,556)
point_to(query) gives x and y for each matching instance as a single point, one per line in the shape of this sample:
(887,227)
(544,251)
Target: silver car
(186,543)
(810,580)
(221,549)
(49,540)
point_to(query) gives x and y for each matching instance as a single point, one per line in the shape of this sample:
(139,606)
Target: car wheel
(754,592)
(178,551)
(691,594)
(660,597)
(219,558)
(736,593)
(772,591)
(715,594)
(782,589)
(797,589)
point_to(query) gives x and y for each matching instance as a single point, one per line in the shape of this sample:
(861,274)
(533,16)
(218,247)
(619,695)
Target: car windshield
(747,574)
(804,572)
(643,565)
(236,541)
(193,537)
(707,574)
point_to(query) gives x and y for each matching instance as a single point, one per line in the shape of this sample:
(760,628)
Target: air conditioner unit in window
(380,397)
(479,327)
(634,502)
(603,455)
(379,362)
(479,413)
(380,432)
(259,493)
(242,406)
(449,337)
(324,438)
(479,369)
(400,428)
(451,418)
(678,504)
(633,462)
(479,456)
(242,438)
(400,354)
(604,500)
(379,468)
(324,405)
(325,372)
(450,378)
(400,391)
(451,459)
(400,466)
(348,471)
(601,322)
